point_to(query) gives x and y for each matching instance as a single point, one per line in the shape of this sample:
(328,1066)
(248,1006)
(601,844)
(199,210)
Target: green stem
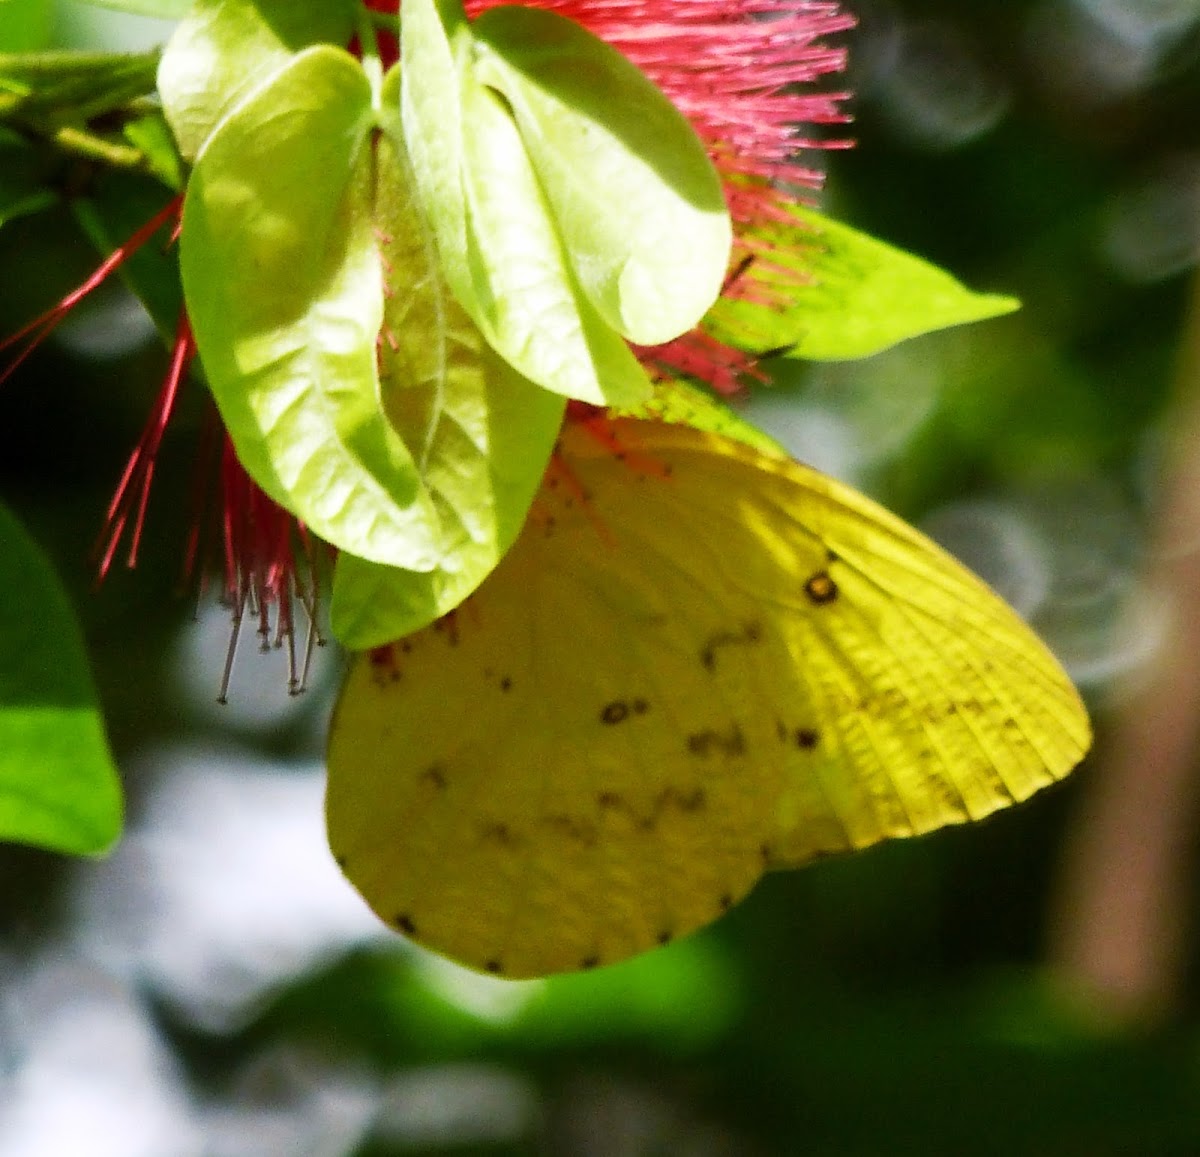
(388,21)
(369,47)
(77,141)
(81,143)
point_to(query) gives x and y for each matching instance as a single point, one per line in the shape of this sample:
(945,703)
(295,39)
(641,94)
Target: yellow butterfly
(697,663)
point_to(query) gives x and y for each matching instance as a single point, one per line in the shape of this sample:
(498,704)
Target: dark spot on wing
(496,833)
(687,802)
(435,777)
(806,738)
(615,712)
(340,861)
(621,709)
(764,850)
(589,961)
(710,742)
(406,925)
(666,936)
(725,901)
(692,801)
(580,831)
(494,967)
(748,635)
(506,684)
(821,589)
(447,626)
(383,664)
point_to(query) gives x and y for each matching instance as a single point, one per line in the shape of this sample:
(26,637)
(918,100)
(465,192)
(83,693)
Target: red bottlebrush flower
(268,559)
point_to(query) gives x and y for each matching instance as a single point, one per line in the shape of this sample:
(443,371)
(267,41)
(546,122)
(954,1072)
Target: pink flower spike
(698,355)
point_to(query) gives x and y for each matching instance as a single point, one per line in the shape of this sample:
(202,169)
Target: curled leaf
(500,246)
(630,187)
(481,433)
(224,49)
(283,283)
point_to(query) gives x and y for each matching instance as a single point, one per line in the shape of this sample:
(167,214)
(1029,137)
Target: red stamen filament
(133,490)
(41,327)
(261,571)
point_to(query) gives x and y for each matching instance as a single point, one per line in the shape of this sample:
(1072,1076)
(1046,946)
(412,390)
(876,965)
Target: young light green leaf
(830,293)
(491,434)
(432,33)
(224,49)
(481,433)
(55,88)
(149,134)
(631,189)
(25,25)
(534,312)
(283,283)
(500,249)
(163,9)
(58,786)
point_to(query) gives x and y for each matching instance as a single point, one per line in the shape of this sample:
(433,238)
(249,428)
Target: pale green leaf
(482,434)
(500,249)
(225,49)
(163,9)
(432,124)
(631,190)
(58,786)
(25,25)
(283,282)
(535,313)
(150,135)
(52,88)
(828,292)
